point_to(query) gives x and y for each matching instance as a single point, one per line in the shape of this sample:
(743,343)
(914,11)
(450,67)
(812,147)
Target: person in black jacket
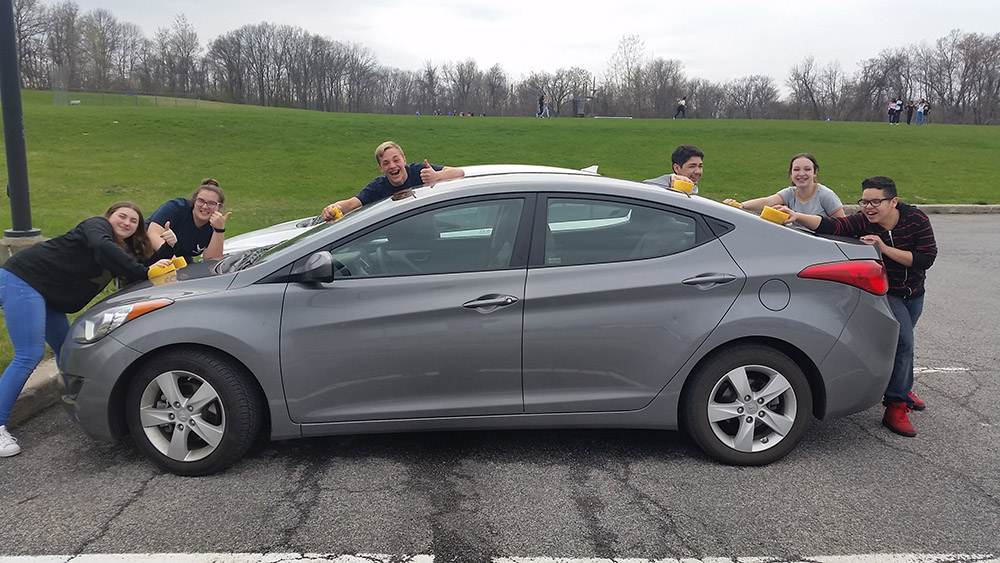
(41,284)
(904,235)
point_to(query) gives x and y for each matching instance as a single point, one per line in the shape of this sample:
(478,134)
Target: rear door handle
(705,281)
(490,303)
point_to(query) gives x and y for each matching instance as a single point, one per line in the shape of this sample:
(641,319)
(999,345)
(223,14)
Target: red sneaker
(895,419)
(918,405)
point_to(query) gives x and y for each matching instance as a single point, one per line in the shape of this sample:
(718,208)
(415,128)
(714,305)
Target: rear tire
(748,405)
(192,412)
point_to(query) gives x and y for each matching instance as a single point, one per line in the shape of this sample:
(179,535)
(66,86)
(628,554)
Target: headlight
(96,326)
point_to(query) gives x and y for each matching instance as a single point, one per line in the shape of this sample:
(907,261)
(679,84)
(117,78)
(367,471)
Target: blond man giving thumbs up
(397,180)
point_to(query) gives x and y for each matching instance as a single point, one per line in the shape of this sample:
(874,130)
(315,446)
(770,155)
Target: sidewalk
(44,386)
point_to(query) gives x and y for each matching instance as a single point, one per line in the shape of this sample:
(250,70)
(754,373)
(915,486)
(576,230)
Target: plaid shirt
(912,232)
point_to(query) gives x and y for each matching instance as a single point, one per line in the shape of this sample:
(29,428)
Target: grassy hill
(277,164)
(280,164)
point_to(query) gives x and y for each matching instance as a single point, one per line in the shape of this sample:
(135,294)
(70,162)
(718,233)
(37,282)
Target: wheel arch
(816,386)
(116,403)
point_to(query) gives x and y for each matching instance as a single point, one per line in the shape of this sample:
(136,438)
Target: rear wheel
(192,412)
(749,405)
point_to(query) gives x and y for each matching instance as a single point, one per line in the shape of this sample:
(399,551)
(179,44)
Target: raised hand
(168,235)
(428,175)
(218,220)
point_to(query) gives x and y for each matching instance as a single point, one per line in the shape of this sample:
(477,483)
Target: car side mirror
(318,267)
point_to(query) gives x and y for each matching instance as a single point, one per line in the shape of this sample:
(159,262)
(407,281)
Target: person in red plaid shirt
(904,235)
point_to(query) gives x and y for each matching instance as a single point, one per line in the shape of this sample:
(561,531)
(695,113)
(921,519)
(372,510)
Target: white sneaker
(8,443)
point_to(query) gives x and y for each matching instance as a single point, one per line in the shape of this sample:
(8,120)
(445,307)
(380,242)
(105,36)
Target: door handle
(488,303)
(705,281)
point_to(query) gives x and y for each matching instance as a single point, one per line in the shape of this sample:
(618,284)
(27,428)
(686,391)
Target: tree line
(267,64)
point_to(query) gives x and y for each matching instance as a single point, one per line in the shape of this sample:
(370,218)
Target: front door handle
(490,303)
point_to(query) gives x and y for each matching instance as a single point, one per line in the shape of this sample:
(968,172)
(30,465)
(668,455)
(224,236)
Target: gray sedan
(524,298)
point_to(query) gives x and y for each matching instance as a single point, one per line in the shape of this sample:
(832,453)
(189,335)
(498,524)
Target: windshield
(263,255)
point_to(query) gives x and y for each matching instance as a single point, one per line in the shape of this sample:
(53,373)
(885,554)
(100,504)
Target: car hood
(194,279)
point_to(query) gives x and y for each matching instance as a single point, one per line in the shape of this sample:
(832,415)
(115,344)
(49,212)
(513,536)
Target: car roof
(478,170)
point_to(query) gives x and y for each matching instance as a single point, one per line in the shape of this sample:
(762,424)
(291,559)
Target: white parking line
(384,558)
(938,370)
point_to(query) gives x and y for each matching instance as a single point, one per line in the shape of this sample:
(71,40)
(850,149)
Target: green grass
(280,164)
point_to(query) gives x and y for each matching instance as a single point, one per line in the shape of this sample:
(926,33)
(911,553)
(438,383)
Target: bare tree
(803,79)
(625,72)
(429,86)
(751,97)
(496,87)
(666,84)
(833,89)
(184,48)
(706,99)
(100,37)
(127,58)
(464,82)
(30,24)
(361,78)
(397,90)
(63,41)
(229,66)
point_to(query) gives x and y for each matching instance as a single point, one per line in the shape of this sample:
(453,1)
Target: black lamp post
(13,128)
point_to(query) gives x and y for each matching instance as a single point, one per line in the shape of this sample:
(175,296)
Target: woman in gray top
(805,195)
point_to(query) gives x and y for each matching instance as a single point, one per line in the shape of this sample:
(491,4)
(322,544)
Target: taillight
(868,275)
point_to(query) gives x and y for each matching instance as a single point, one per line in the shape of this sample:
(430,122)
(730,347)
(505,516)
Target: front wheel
(749,405)
(192,412)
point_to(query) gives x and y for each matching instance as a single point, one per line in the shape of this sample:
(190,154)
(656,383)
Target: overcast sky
(716,40)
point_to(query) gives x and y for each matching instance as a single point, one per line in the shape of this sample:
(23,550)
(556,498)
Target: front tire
(192,412)
(748,405)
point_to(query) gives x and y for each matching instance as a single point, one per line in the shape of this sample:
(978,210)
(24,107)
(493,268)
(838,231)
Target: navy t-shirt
(191,240)
(381,188)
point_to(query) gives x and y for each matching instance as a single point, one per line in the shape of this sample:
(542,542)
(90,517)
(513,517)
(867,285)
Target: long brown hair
(137,245)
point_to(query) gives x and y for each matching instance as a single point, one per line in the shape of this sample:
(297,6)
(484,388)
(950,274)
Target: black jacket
(71,269)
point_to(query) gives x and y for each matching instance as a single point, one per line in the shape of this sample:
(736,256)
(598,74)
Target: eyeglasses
(208,204)
(872,202)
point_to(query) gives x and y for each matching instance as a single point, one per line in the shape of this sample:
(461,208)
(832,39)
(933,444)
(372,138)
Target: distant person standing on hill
(920,111)
(909,111)
(927,113)
(681,108)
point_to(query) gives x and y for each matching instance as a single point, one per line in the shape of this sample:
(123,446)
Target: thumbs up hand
(218,220)
(428,175)
(168,235)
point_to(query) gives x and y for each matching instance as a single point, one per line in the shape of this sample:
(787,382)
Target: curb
(44,387)
(42,390)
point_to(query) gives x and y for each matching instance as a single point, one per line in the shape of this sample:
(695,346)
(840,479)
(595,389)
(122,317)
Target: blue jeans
(906,311)
(30,325)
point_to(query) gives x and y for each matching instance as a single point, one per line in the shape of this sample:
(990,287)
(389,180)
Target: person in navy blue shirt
(399,177)
(198,222)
